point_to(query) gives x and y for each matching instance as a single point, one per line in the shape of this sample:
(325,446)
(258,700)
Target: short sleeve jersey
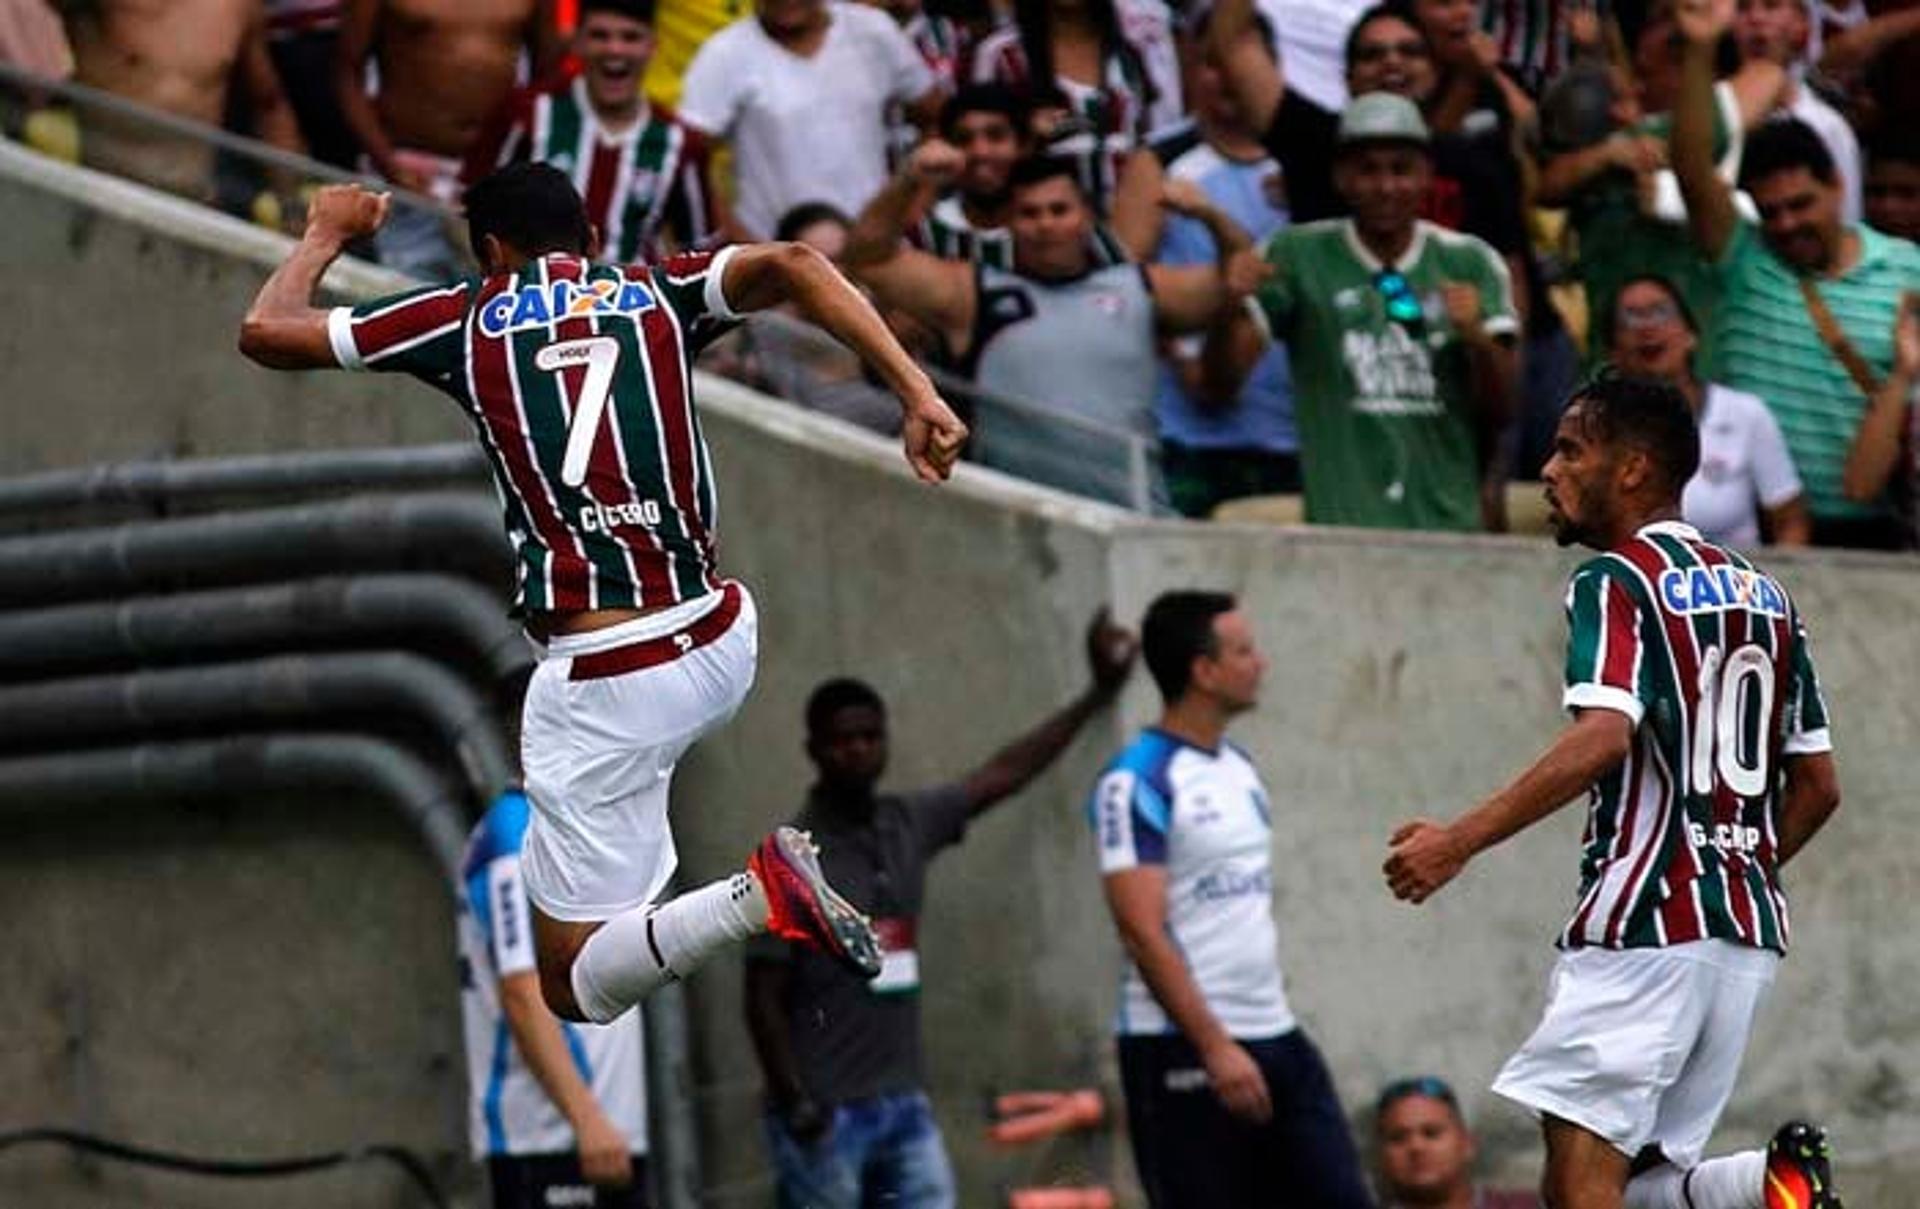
(578,377)
(1204,817)
(639,183)
(509,1113)
(854,1039)
(1707,657)
(1387,435)
(1744,467)
(1767,343)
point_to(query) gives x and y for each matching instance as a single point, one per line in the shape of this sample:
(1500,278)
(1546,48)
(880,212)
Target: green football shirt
(1387,424)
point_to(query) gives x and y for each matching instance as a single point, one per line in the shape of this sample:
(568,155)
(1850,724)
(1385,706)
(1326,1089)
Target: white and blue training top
(1204,816)
(509,1113)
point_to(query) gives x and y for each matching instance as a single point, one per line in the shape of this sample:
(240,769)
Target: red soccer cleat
(802,906)
(1800,1169)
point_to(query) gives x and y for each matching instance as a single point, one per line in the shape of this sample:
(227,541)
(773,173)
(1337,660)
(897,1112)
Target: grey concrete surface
(268,979)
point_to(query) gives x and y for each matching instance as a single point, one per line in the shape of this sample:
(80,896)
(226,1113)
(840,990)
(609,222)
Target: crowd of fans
(1354,251)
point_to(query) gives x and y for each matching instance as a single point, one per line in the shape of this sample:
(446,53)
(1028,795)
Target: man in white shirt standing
(1229,1105)
(801,90)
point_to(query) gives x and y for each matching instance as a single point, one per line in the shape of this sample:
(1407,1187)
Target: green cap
(1382,117)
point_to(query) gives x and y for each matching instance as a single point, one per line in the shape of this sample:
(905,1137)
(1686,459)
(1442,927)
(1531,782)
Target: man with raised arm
(577,375)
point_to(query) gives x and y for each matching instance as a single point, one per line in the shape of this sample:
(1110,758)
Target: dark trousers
(553,1181)
(1193,1154)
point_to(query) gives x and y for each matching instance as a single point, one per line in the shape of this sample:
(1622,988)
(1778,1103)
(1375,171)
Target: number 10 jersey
(1707,656)
(578,377)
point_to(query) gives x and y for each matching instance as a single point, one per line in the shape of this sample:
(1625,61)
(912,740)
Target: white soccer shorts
(607,717)
(1642,1046)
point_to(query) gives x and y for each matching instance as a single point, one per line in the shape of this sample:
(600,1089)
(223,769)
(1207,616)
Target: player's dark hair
(1784,146)
(1610,321)
(805,215)
(832,696)
(1037,168)
(1396,10)
(533,207)
(985,98)
(1178,629)
(633,10)
(1650,415)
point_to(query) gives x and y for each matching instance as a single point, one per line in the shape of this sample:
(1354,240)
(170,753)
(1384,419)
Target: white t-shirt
(1842,144)
(1203,816)
(804,129)
(1744,466)
(1313,45)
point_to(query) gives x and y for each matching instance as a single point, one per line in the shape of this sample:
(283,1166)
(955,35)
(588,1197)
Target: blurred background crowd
(1160,254)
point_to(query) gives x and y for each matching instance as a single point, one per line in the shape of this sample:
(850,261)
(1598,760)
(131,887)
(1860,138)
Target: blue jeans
(883,1153)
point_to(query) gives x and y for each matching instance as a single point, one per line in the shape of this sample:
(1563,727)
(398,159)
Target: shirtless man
(443,68)
(180,57)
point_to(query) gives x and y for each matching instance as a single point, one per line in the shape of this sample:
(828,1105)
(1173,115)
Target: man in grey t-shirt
(848,1123)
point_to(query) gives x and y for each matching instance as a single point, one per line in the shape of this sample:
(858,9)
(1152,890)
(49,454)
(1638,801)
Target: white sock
(632,954)
(1736,1181)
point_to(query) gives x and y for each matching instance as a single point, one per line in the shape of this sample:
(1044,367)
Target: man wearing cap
(1427,1152)
(1399,333)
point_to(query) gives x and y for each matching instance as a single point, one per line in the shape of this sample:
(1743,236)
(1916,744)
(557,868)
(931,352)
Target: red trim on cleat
(802,907)
(1800,1169)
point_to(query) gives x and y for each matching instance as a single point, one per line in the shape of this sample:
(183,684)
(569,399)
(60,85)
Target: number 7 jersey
(578,377)
(1707,655)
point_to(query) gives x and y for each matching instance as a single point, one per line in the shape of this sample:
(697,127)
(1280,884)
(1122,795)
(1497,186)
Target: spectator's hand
(936,162)
(805,1121)
(1906,337)
(1245,272)
(1423,857)
(1237,1080)
(604,1157)
(1486,52)
(1049,122)
(1704,22)
(933,436)
(1639,154)
(1110,653)
(1184,197)
(1463,309)
(346,212)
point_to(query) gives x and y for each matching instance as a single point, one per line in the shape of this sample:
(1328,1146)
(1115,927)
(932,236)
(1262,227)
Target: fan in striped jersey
(643,173)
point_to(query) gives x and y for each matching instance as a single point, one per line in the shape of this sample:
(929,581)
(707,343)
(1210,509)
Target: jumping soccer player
(1701,732)
(578,378)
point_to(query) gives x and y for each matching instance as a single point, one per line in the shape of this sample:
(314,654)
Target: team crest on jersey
(539,305)
(1689,590)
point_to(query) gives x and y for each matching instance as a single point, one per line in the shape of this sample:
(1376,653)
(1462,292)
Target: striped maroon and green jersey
(947,232)
(578,377)
(1708,657)
(638,183)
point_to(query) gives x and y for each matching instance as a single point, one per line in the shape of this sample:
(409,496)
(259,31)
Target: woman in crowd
(1746,484)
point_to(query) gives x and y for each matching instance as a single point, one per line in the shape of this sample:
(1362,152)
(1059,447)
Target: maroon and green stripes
(1680,843)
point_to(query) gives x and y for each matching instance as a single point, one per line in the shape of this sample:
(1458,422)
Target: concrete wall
(1410,675)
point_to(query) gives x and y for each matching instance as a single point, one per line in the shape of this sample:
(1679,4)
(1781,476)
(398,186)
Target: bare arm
(939,293)
(273,118)
(359,21)
(1234,342)
(1758,88)
(1875,453)
(877,232)
(1110,652)
(763,275)
(1426,855)
(767,985)
(1851,52)
(1811,796)
(605,1157)
(1710,213)
(1136,218)
(1789,524)
(1249,68)
(1137,898)
(283,329)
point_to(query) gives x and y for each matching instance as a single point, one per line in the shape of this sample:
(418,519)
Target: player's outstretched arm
(283,329)
(763,275)
(1427,855)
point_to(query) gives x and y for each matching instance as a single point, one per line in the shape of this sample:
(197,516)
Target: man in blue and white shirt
(556,1110)
(1229,1105)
